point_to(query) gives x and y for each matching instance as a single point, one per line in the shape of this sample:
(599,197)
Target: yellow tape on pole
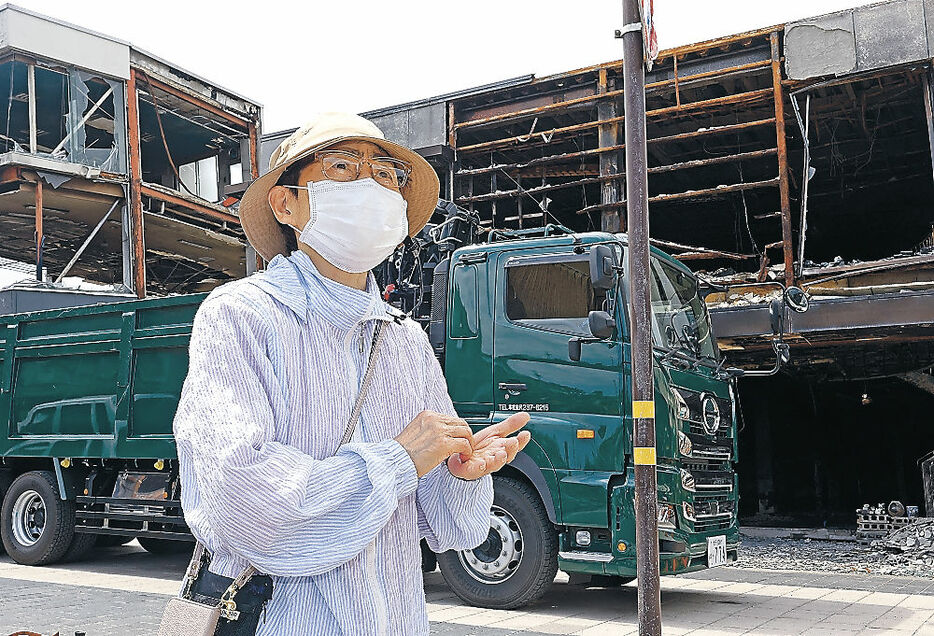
(644,455)
(643,409)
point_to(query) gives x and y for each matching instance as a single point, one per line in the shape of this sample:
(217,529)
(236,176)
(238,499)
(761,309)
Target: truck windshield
(679,315)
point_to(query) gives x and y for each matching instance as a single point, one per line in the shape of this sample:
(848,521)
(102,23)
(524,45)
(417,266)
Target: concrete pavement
(121,591)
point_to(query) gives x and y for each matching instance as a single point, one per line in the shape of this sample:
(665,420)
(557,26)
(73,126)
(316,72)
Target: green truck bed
(98,381)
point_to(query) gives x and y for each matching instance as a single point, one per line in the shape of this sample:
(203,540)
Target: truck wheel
(165,546)
(519,559)
(80,546)
(36,526)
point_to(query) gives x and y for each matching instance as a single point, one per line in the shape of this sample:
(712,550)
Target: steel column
(40,234)
(782,158)
(608,135)
(643,390)
(136,178)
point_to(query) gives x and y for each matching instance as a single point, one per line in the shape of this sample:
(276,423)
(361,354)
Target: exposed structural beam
(703,132)
(87,241)
(677,81)
(195,101)
(608,135)
(690,194)
(40,232)
(782,158)
(33,128)
(738,98)
(136,179)
(159,195)
(695,253)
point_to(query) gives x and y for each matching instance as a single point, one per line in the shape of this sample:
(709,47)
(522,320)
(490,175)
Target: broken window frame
(77,112)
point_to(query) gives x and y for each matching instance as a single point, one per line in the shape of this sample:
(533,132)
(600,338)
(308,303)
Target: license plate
(716,551)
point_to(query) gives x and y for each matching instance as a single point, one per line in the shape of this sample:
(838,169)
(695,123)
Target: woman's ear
(279,199)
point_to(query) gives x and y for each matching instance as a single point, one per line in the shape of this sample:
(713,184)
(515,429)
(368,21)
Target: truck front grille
(713,512)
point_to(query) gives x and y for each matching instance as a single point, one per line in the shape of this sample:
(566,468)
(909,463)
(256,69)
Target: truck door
(542,301)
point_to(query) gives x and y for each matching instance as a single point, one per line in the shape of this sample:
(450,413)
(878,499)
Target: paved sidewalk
(121,592)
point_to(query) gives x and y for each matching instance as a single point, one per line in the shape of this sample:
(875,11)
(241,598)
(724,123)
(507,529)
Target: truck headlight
(681,406)
(687,480)
(688,511)
(666,515)
(685,446)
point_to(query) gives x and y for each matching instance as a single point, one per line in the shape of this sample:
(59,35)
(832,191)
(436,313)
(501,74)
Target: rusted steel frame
(717,42)
(40,232)
(194,100)
(190,205)
(505,194)
(697,163)
(738,187)
(599,207)
(782,159)
(712,130)
(674,60)
(608,163)
(664,53)
(705,250)
(897,264)
(539,160)
(710,255)
(8,174)
(677,81)
(135,201)
(582,153)
(254,151)
(747,96)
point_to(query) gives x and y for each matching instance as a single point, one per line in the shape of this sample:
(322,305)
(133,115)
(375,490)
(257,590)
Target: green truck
(533,323)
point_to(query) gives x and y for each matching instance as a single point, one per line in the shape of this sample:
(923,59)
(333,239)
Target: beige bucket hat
(256,216)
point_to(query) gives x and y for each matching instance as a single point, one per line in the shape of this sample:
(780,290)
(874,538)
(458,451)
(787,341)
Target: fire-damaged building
(801,153)
(115,165)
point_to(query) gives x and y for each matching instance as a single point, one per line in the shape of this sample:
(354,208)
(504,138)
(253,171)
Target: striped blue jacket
(276,360)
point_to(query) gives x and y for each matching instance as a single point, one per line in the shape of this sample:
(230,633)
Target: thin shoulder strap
(365,385)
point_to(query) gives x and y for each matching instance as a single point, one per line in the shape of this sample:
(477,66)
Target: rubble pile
(910,549)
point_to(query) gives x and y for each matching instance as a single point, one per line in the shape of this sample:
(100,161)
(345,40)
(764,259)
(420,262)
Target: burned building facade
(801,153)
(115,165)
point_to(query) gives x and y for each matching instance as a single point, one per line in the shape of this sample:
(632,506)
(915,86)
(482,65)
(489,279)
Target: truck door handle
(513,386)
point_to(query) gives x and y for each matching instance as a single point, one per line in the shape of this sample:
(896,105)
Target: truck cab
(519,322)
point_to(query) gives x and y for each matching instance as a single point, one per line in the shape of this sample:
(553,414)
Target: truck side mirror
(797,299)
(601,324)
(602,267)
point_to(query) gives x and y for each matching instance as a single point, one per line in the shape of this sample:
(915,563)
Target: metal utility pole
(643,390)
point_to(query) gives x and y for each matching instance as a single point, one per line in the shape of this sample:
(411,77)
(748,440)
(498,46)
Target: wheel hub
(497,558)
(29,517)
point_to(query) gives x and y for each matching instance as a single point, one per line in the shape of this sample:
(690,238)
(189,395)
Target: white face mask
(354,225)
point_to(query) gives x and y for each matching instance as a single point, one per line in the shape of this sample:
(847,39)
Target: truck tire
(36,526)
(518,561)
(166,546)
(81,544)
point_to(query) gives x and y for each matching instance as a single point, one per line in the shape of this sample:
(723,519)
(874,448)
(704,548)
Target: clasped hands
(432,438)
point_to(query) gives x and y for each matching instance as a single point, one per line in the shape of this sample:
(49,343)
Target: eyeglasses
(339,165)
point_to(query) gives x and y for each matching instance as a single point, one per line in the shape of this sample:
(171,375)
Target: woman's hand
(492,448)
